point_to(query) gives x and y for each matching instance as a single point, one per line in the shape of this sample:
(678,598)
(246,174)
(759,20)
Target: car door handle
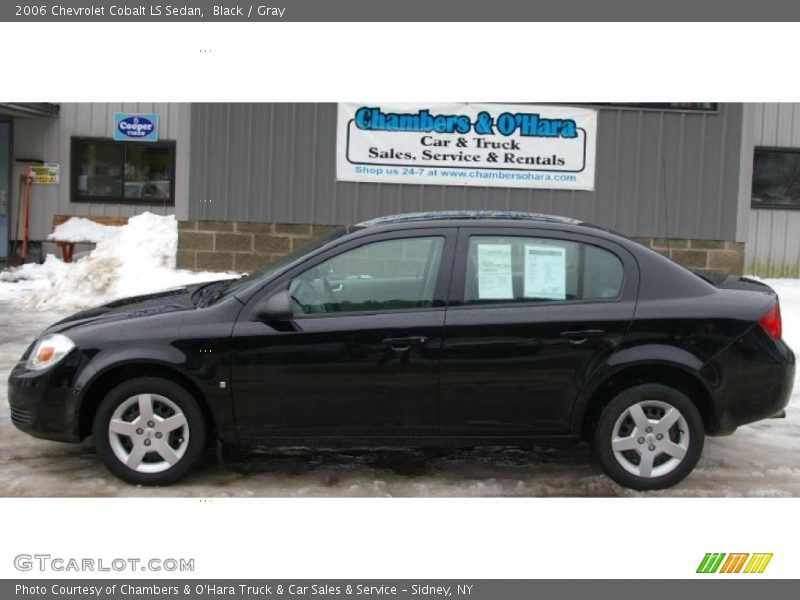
(402,344)
(580,336)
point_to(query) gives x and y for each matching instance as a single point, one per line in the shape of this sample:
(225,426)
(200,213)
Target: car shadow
(401,462)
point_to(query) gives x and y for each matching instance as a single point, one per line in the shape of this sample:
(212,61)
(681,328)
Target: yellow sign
(46,174)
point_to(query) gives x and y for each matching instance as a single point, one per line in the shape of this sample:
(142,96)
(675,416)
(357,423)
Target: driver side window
(380,276)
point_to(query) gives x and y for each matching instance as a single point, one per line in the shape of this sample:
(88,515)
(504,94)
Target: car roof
(467,215)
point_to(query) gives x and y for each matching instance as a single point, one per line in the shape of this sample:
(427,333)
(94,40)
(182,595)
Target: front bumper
(750,380)
(46,404)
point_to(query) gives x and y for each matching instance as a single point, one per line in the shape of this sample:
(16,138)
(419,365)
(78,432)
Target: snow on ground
(762,459)
(136,258)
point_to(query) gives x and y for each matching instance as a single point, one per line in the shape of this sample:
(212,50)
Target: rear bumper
(750,380)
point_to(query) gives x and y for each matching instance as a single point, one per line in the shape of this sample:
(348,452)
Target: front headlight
(48,351)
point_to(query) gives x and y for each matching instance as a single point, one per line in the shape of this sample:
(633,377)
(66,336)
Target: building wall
(239,246)
(48,139)
(773,243)
(272,166)
(246,246)
(716,255)
(276,163)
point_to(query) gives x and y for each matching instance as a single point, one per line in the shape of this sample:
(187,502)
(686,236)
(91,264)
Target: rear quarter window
(602,273)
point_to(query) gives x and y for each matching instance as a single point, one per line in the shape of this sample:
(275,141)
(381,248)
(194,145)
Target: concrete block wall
(720,255)
(245,247)
(236,246)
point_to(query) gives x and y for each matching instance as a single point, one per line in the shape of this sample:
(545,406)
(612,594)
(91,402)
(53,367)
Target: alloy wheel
(650,438)
(148,433)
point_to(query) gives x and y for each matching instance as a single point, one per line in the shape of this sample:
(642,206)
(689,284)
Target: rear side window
(602,273)
(525,269)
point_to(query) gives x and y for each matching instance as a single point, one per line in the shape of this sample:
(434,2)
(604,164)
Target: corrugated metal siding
(777,124)
(277,162)
(773,243)
(773,247)
(49,140)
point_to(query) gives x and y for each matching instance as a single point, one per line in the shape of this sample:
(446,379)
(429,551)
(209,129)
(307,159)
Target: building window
(135,172)
(776,178)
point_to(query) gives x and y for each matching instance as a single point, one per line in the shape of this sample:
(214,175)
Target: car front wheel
(649,437)
(149,431)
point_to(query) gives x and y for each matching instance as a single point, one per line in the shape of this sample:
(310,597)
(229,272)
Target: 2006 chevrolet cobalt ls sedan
(465,328)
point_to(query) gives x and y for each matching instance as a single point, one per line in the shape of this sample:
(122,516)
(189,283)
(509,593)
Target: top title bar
(405,11)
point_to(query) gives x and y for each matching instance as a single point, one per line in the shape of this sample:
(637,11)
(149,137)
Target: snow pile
(139,258)
(78,229)
(51,269)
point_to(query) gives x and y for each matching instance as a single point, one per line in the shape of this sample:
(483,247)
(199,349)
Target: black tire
(168,399)
(617,418)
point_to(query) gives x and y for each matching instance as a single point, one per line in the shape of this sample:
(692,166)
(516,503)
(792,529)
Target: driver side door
(360,358)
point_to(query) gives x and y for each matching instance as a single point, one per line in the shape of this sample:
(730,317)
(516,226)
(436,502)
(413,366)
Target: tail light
(771,321)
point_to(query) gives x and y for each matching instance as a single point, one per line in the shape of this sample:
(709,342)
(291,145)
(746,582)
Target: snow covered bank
(137,258)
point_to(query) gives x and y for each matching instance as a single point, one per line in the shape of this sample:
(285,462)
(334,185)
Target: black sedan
(455,328)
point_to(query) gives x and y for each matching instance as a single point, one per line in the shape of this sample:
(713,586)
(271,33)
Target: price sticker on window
(494,272)
(546,272)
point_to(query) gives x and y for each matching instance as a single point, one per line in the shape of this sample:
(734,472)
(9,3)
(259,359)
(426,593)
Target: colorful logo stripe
(713,562)
(758,563)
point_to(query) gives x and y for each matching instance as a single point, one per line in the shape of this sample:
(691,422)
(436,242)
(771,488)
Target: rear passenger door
(531,314)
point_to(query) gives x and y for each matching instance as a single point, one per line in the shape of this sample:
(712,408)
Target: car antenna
(666,205)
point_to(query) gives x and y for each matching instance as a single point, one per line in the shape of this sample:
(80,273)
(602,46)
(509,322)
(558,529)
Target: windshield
(237,285)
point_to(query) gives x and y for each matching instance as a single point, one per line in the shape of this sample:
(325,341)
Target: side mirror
(276,308)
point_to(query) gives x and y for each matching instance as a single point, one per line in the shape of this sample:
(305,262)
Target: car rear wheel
(149,431)
(649,437)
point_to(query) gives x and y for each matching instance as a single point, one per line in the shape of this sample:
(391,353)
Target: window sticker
(494,272)
(546,272)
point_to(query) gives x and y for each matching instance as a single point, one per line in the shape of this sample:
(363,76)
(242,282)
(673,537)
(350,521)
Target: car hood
(134,307)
